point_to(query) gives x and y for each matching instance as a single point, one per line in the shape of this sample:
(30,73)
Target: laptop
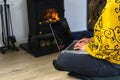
(63,36)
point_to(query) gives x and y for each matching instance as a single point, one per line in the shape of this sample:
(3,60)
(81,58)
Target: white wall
(75,12)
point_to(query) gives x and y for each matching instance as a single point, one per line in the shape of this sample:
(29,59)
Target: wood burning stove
(40,14)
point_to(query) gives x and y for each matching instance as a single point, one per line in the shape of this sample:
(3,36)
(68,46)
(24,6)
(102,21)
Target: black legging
(86,65)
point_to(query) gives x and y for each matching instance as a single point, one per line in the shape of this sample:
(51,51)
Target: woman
(102,56)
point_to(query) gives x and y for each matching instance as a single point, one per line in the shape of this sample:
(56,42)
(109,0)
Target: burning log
(50,16)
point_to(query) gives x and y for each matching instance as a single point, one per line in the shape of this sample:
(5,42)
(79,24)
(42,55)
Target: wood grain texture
(23,66)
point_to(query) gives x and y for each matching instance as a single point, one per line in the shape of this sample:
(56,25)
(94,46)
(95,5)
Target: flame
(50,16)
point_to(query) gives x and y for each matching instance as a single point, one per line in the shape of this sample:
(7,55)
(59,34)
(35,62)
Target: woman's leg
(86,65)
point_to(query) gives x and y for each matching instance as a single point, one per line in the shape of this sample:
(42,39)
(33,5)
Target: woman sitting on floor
(102,56)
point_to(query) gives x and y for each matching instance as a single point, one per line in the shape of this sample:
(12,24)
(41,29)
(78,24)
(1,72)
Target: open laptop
(63,36)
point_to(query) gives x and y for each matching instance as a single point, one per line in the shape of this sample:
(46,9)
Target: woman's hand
(80,44)
(86,40)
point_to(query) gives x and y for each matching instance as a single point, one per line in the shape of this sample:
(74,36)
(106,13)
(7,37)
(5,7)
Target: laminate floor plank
(20,65)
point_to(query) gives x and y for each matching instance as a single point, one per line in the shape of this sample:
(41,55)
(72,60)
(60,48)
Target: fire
(50,16)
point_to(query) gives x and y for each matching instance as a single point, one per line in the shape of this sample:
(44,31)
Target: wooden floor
(23,66)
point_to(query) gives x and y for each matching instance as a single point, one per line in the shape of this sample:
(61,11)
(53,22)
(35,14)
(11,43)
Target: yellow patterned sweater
(106,43)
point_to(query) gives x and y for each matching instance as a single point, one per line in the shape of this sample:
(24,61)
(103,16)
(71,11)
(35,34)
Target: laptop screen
(62,33)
